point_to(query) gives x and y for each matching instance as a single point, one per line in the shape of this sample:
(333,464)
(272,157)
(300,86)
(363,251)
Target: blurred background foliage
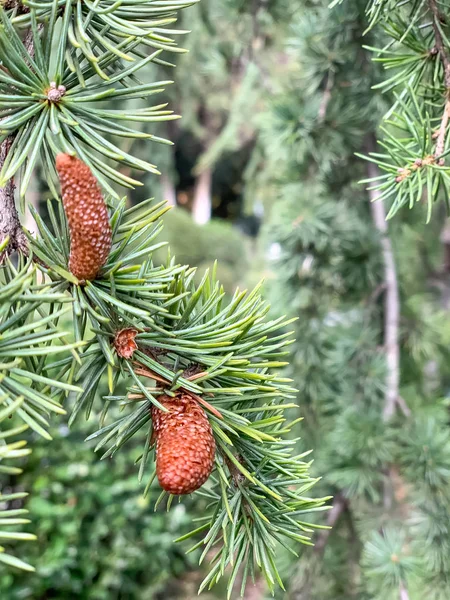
(276,100)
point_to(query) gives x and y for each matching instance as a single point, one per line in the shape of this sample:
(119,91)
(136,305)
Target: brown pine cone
(87,215)
(185,445)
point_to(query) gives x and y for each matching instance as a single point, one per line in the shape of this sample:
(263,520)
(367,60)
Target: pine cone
(185,445)
(87,215)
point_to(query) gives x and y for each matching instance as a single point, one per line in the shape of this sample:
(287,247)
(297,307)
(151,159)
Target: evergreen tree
(196,377)
(367,333)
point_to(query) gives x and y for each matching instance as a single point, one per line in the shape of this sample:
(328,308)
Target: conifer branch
(445,58)
(440,45)
(326,97)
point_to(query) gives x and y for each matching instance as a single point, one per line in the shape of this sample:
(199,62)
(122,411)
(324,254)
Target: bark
(9,219)
(202,204)
(10,226)
(391,303)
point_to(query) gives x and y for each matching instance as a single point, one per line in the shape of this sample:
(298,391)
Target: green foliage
(61,61)
(389,479)
(27,335)
(96,534)
(390,563)
(201,246)
(73,119)
(414,135)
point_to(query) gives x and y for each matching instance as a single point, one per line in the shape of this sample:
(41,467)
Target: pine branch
(440,45)
(326,97)
(445,58)
(302,588)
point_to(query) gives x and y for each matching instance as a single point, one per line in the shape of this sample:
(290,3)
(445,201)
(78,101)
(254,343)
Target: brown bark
(10,226)
(9,219)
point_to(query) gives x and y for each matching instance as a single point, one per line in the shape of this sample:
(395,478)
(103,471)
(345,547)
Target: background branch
(445,58)
(10,226)
(391,298)
(9,218)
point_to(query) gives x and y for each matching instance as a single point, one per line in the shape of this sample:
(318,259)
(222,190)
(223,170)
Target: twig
(445,58)
(339,505)
(440,144)
(10,226)
(302,587)
(440,45)
(373,297)
(322,113)
(391,299)
(401,403)
(9,218)
(151,375)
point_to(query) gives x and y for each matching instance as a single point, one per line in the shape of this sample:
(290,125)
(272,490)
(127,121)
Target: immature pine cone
(87,215)
(185,445)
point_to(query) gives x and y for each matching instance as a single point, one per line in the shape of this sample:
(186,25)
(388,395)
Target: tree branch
(339,505)
(440,45)
(391,300)
(445,58)
(10,226)
(322,113)
(302,587)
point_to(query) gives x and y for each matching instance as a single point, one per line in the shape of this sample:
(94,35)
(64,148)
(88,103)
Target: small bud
(55,93)
(124,342)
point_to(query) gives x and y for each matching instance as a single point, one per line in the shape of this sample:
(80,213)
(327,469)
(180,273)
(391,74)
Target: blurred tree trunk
(168,190)
(202,203)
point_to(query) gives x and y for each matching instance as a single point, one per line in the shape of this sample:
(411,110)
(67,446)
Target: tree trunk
(202,204)
(168,190)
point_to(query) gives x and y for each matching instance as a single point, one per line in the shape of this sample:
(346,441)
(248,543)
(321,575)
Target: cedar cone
(185,445)
(124,342)
(87,216)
